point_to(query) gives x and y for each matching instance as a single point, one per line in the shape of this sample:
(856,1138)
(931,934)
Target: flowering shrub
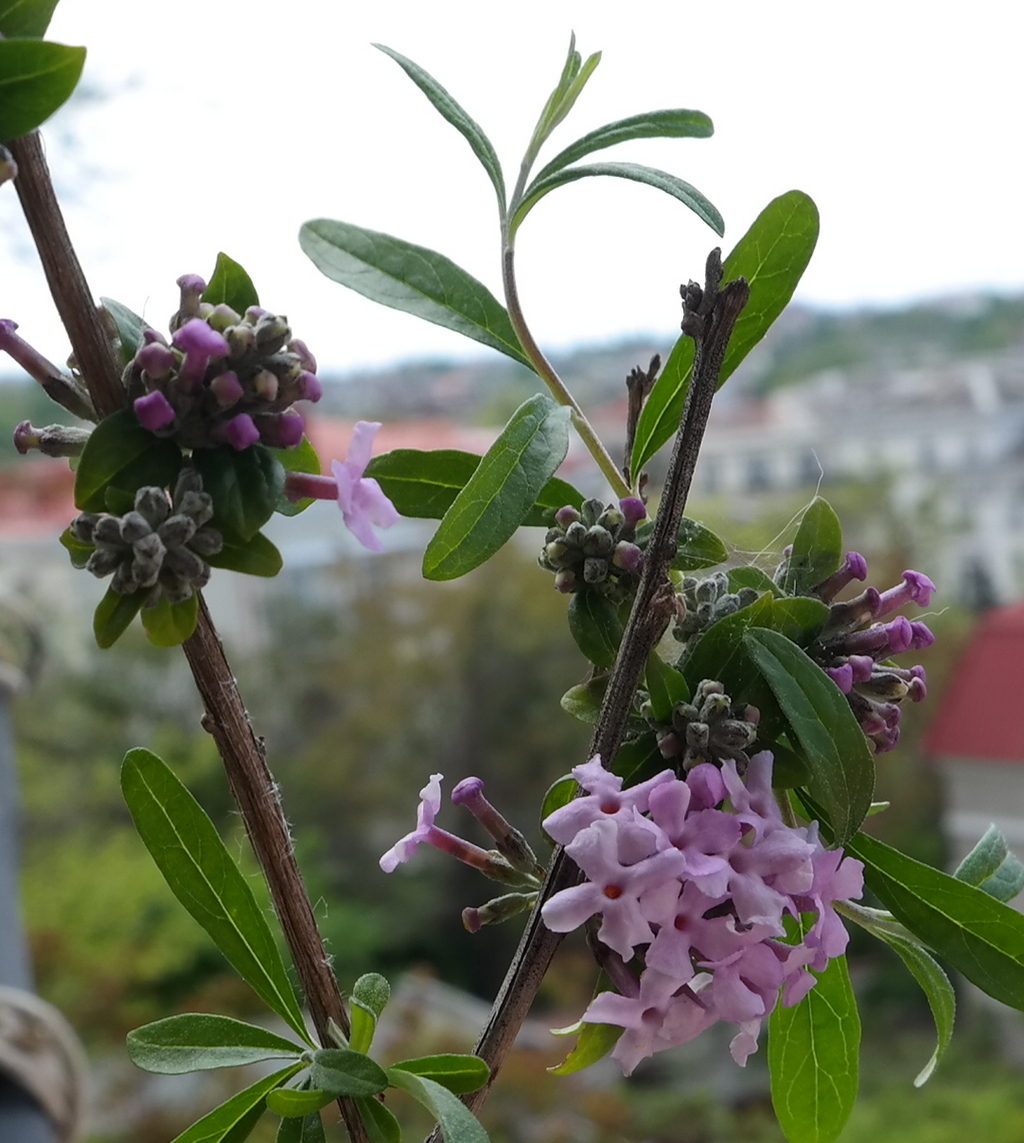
(712,842)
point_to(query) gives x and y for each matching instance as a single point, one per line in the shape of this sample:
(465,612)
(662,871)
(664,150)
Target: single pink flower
(361,499)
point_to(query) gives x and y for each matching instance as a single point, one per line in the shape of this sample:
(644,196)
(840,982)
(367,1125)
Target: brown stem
(227,720)
(64,273)
(708,316)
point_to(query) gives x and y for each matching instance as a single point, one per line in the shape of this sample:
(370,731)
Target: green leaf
(113,616)
(459,1074)
(27,19)
(772,256)
(678,188)
(246,486)
(78,551)
(231,286)
(560,793)
(813,1056)
(571,82)
(307,1130)
(423,485)
(675,123)
(410,278)
(754,577)
(638,760)
(370,994)
(696,546)
(665,685)
(594,1043)
(595,625)
(302,458)
(977,935)
(381,1125)
(170,624)
(817,548)
(298,1103)
(842,769)
(499,495)
(938,990)
(451,110)
(991,866)
(458,1123)
(256,556)
(121,455)
(234,1120)
(129,326)
(36,77)
(195,1042)
(584,701)
(344,1072)
(200,872)
(799,619)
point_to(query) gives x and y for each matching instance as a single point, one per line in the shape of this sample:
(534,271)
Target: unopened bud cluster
(854,647)
(708,600)
(160,547)
(711,728)
(224,378)
(592,549)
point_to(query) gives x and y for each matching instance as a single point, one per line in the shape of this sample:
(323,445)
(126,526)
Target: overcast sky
(226,125)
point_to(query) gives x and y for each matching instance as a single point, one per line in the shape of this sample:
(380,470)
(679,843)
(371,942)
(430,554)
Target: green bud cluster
(592,550)
(160,547)
(708,729)
(708,600)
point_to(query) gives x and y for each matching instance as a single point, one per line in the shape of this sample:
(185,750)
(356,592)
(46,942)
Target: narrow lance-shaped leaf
(458,1123)
(309,1129)
(424,484)
(410,278)
(460,1074)
(595,625)
(451,110)
(25,18)
(36,77)
(298,1102)
(499,495)
(234,1120)
(650,176)
(113,616)
(344,1072)
(675,123)
(937,989)
(196,1041)
(594,1043)
(813,1056)
(128,326)
(772,256)
(571,82)
(820,718)
(817,548)
(370,994)
(200,872)
(381,1126)
(979,936)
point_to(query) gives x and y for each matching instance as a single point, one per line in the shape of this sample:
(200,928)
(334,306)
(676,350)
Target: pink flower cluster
(697,876)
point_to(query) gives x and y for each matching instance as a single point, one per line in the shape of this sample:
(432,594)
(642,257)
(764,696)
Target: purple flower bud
(254,313)
(200,344)
(842,677)
(917,688)
(855,567)
(266,384)
(922,637)
(26,437)
(154,411)
(226,389)
(566,516)
(862,666)
(634,509)
(241,432)
(628,556)
(901,634)
(283,431)
(192,288)
(854,613)
(301,351)
(915,588)
(565,581)
(310,388)
(156,359)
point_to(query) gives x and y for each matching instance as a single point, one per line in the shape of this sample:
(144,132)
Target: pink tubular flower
(430,803)
(361,500)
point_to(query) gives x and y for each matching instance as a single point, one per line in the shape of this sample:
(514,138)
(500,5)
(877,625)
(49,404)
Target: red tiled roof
(982,714)
(36,498)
